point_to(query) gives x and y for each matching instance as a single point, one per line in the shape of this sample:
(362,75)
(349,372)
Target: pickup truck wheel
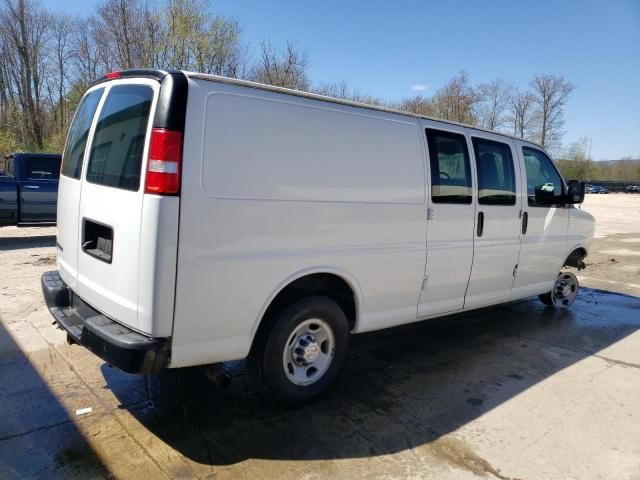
(564,291)
(304,352)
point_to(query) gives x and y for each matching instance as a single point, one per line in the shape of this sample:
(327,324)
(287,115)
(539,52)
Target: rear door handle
(32,186)
(480,223)
(525,222)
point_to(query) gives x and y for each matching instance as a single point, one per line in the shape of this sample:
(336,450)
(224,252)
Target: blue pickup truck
(29,188)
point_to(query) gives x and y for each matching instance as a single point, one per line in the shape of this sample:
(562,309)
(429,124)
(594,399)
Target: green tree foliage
(575,163)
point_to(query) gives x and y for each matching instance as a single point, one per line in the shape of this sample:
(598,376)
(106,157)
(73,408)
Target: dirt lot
(516,391)
(614,260)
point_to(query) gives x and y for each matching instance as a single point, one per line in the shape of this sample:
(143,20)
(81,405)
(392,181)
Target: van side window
(544,184)
(39,168)
(450,167)
(496,176)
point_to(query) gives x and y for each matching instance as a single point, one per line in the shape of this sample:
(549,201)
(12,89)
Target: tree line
(47,60)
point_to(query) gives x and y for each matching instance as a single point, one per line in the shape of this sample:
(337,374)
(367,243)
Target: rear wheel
(304,352)
(564,292)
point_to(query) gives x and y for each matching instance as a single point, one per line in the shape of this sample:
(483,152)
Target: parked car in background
(29,188)
(587,188)
(633,189)
(599,189)
(205,219)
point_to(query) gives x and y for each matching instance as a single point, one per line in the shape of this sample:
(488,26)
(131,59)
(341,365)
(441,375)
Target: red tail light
(163,168)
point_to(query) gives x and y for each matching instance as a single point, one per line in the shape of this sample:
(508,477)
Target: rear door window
(78,133)
(450,167)
(496,177)
(43,168)
(118,143)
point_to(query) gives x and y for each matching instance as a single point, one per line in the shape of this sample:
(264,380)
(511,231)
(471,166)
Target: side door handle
(525,222)
(480,223)
(34,187)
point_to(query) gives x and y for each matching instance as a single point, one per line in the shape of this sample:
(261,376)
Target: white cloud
(419,87)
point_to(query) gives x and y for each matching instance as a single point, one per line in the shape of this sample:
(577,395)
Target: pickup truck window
(118,143)
(496,177)
(450,167)
(544,183)
(78,133)
(42,168)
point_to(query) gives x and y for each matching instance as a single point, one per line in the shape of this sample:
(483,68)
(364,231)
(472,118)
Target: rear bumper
(116,344)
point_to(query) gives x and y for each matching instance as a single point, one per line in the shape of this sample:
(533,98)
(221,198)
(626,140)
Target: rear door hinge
(425,282)
(515,270)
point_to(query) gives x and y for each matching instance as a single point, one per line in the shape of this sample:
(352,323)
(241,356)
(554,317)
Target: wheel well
(576,259)
(326,284)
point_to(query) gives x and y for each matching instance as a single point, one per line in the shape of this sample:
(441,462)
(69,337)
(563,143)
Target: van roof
(324,98)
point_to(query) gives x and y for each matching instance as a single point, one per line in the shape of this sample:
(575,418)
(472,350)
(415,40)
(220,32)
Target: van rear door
(119,202)
(111,200)
(70,184)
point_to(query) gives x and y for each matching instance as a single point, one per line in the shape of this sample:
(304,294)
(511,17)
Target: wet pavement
(517,391)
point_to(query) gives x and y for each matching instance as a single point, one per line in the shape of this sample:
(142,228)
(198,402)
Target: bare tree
(342,90)
(119,29)
(521,113)
(457,100)
(85,52)
(418,105)
(493,103)
(287,68)
(25,26)
(550,94)
(62,53)
(574,161)
(153,52)
(195,39)
(219,50)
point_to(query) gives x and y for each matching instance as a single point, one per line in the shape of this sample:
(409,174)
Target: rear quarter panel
(239,244)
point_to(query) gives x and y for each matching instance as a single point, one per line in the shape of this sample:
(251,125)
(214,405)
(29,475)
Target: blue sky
(383,48)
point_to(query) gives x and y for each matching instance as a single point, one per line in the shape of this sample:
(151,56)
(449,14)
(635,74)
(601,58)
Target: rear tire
(303,353)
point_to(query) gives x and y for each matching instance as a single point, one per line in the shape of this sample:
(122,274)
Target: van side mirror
(575,192)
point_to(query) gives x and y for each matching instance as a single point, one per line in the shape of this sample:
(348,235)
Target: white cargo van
(204,219)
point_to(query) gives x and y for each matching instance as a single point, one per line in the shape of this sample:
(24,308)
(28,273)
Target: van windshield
(118,143)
